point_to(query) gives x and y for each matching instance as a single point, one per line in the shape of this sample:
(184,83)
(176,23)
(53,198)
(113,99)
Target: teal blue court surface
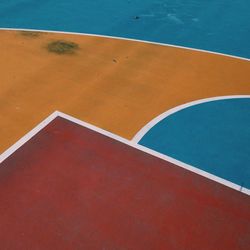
(212,136)
(219,26)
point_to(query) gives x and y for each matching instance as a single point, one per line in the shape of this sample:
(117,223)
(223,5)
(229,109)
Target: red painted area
(72,188)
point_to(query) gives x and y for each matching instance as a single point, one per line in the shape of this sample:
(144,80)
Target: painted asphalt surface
(120,86)
(114,84)
(72,188)
(214,136)
(221,26)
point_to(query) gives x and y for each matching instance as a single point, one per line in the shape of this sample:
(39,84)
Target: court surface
(125,125)
(90,191)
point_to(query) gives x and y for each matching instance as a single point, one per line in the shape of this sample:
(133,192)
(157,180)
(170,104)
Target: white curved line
(169,112)
(178,163)
(130,39)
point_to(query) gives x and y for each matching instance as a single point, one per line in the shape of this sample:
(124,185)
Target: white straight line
(39,127)
(156,154)
(27,137)
(129,39)
(169,112)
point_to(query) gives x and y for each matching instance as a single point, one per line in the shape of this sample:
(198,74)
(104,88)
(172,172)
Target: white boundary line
(169,112)
(27,137)
(44,123)
(128,39)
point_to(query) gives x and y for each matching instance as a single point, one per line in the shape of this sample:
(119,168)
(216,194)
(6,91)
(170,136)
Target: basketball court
(118,135)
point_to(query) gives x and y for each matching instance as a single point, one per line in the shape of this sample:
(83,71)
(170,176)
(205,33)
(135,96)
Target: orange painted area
(114,84)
